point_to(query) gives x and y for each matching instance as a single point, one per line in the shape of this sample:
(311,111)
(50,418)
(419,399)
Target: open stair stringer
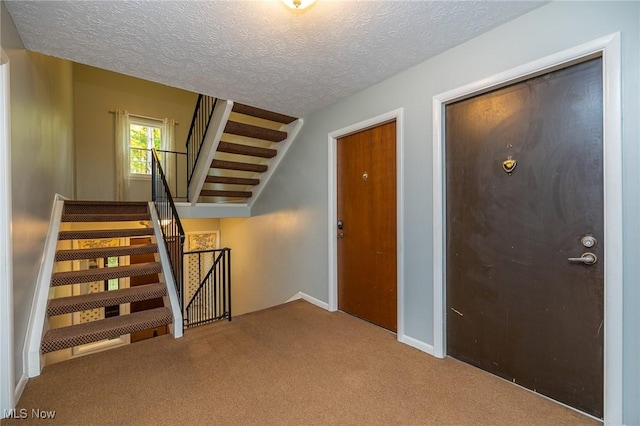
(209,210)
(38,320)
(176,328)
(292,130)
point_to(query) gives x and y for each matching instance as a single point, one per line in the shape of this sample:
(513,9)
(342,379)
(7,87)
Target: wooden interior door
(524,195)
(141,280)
(367,247)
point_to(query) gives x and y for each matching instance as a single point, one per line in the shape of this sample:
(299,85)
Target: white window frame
(149,122)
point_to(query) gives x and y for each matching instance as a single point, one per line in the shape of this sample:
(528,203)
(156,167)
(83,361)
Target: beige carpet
(293,364)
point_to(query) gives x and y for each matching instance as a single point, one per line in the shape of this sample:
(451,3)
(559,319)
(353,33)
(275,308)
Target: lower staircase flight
(106,225)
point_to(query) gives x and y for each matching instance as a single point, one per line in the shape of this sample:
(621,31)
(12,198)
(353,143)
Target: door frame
(7,363)
(397,116)
(609,48)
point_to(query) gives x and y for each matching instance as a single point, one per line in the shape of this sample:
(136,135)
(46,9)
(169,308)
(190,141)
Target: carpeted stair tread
(80,334)
(104,233)
(105,203)
(67,305)
(99,274)
(105,217)
(105,207)
(102,252)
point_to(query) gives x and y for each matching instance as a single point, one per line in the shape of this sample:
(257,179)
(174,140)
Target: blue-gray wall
(284,248)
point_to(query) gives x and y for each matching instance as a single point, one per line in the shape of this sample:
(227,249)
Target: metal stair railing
(172,229)
(211,301)
(199,125)
(174,165)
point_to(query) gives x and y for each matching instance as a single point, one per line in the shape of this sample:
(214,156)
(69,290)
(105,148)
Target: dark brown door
(367,254)
(145,304)
(516,305)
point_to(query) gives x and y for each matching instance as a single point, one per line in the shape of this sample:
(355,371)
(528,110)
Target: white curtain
(122,155)
(168,134)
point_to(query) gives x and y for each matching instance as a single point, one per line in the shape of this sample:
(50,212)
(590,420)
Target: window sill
(139,177)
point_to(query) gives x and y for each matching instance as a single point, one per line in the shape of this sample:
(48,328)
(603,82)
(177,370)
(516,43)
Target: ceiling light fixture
(298,4)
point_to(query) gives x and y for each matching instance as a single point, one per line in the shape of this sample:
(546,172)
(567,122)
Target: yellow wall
(200,225)
(96,92)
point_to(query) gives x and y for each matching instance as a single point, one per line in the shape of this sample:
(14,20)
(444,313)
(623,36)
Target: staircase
(98,231)
(252,144)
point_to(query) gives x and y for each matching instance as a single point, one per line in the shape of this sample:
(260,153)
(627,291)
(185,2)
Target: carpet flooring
(294,364)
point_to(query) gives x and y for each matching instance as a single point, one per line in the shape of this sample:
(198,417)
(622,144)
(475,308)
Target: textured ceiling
(257,52)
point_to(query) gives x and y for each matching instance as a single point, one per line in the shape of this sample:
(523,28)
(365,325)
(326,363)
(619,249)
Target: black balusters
(170,225)
(199,124)
(211,301)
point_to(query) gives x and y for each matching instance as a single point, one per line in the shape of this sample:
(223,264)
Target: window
(135,137)
(143,137)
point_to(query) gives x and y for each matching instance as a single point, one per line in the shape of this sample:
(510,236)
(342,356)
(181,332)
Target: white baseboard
(310,299)
(402,338)
(418,344)
(20,387)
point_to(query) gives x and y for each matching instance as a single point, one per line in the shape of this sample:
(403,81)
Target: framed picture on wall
(202,240)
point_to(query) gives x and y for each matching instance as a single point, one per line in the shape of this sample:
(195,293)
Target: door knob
(585,258)
(340,225)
